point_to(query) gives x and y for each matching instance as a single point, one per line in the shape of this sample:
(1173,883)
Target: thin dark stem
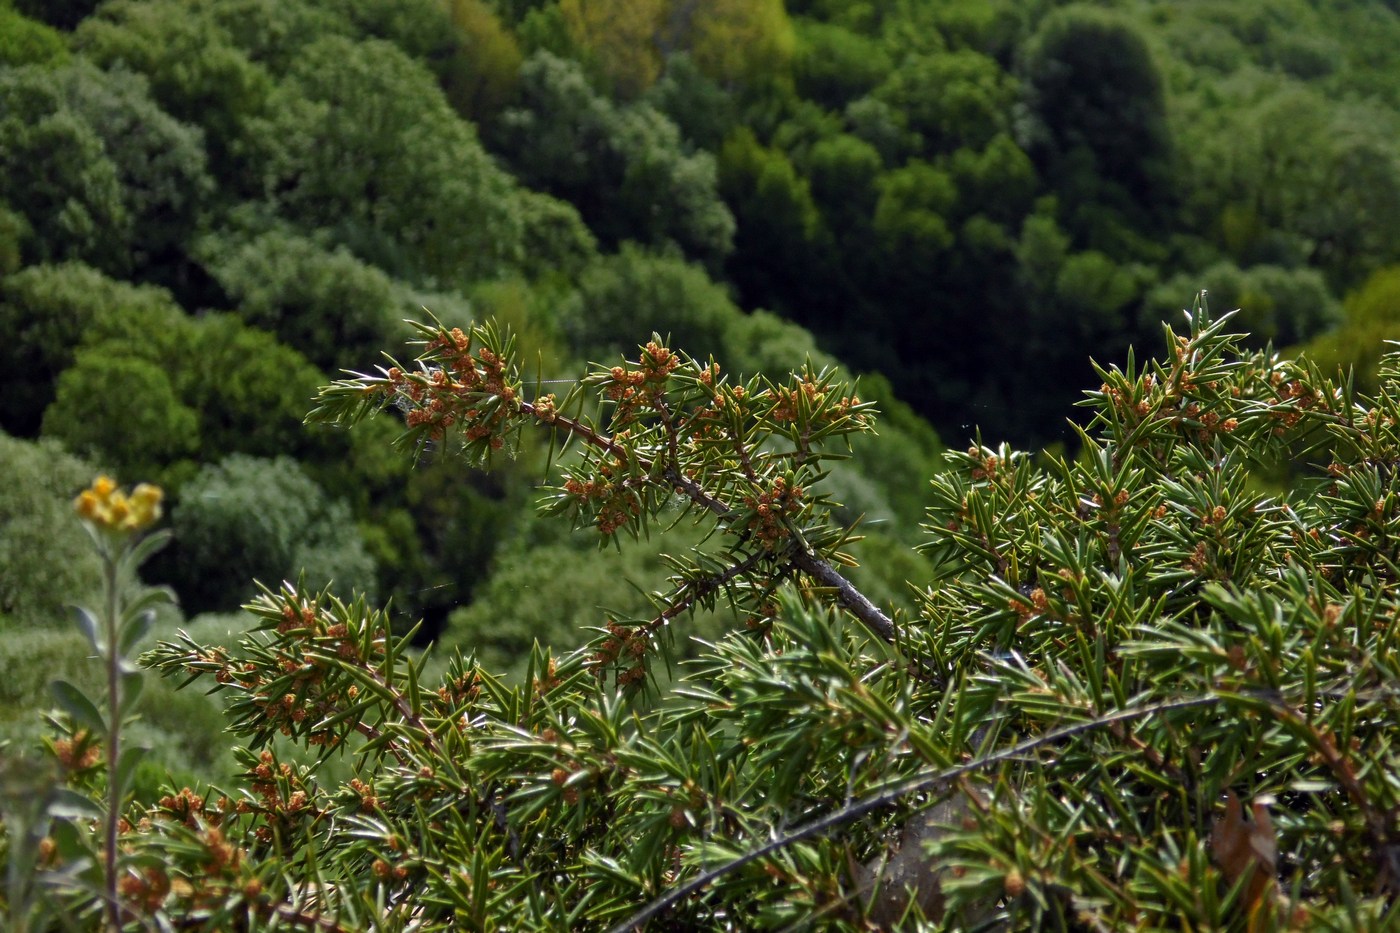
(114,699)
(892,794)
(1377,825)
(697,494)
(692,591)
(741,450)
(851,599)
(847,596)
(371,733)
(405,710)
(584,432)
(673,446)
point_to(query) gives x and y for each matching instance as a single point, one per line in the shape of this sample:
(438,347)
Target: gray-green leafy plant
(51,824)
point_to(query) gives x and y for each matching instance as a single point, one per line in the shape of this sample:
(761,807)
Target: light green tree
(623,166)
(93,414)
(48,311)
(247,519)
(46,560)
(362,143)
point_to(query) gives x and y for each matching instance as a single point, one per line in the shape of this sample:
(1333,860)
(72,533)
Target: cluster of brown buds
(1037,603)
(789,401)
(145,890)
(281,793)
(548,679)
(560,778)
(1139,401)
(298,684)
(688,799)
(387,872)
(709,423)
(615,500)
(222,858)
(438,404)
(643,387)
(1133,403)
(785,402)
(368,800)
(762,623)
(456,387)
(80,752)
(1198,559)
(485,372)
(459,692)
(214,866)
(675,424)
(617,512)
(545,409)
(771,510)
(189,808)
(657,362)
(296,616)
(1215,516)
(988,463)
(1298,396)
(624,642)
(1210,423)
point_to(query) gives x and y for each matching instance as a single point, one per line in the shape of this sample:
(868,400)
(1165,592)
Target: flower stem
(114,695)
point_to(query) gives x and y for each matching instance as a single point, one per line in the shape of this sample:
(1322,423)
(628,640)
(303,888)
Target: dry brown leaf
(1248,849)
(890,884)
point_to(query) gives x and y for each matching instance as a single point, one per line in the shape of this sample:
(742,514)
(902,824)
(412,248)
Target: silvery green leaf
(76,704)
(127,763)
(148,598)
(87,622)
(69,804)
(147,546)
(132,685)
(135,629)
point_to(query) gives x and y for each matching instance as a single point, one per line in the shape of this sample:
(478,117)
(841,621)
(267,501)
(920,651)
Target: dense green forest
(208,208)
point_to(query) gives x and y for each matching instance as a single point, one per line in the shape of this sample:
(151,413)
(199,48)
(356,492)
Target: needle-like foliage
(1142,690)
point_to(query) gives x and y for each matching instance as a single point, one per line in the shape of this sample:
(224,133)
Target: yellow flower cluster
(108,507)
